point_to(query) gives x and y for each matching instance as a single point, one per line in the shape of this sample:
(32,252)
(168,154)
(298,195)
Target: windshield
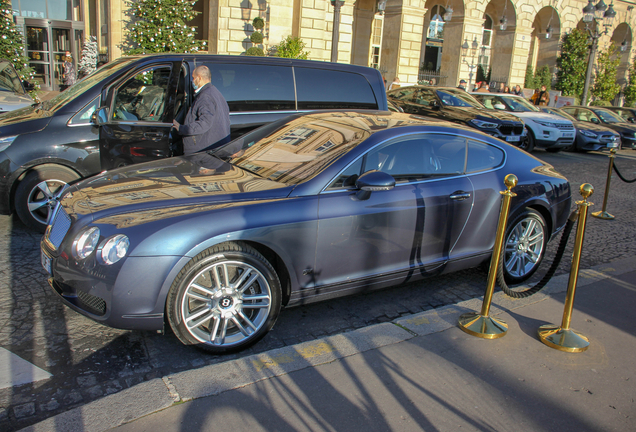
(561,114)
(458,98)
(608,116)
(507,103)
(85,83)
(9,79)
(293,150)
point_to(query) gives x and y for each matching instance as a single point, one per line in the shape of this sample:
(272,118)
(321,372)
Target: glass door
(38,53)
(61,43)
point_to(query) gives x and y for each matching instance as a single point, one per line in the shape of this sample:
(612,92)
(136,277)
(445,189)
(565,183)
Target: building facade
(409,39)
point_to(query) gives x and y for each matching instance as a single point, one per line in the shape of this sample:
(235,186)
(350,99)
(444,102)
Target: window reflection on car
(608,116)
(458,98)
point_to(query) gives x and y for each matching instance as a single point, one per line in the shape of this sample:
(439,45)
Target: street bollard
(603,214)
(563,338)
(480,324)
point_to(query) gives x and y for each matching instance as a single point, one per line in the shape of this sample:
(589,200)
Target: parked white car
(552,132)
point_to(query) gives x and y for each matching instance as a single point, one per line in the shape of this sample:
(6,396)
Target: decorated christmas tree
(88,63)
(12,45)
(161,26)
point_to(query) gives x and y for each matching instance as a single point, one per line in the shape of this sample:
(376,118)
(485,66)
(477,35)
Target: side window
(482,157)
(143,97)
(402,94)
(329,89)
(83,117)
(348,177)
(248,87)
(179,104)
(419,157)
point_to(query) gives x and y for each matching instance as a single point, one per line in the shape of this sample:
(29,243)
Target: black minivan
(122,114)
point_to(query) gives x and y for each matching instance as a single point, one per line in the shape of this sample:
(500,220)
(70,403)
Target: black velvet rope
(618,173)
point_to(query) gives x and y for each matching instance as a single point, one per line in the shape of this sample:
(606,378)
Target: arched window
(486,36)
(436,26)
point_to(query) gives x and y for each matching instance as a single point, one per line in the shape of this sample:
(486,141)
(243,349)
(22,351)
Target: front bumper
(127,295)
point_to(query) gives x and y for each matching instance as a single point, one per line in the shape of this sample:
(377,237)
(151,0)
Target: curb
(160,393)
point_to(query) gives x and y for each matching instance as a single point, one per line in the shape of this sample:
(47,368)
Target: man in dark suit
(207,124)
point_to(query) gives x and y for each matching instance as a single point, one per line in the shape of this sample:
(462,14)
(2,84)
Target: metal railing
(431,77)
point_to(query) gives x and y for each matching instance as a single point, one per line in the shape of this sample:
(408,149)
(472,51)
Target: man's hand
(175,124)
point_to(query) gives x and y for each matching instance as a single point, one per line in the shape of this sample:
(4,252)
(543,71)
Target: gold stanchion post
(480,324)
(604,214)
(563,338)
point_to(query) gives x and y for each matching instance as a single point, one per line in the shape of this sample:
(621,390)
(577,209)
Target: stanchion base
(562,340)
(603,215)
(482,326)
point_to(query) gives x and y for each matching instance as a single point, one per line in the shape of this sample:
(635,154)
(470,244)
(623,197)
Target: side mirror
(435,106)
(499,106)
(632,119)
(373,181)
(28,86)
(595,120)
(100,116)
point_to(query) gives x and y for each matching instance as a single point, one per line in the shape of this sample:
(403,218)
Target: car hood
(622,127)
(482,113)
(591,127)
(10,101)
(24,120)
(541,116)
(195,180)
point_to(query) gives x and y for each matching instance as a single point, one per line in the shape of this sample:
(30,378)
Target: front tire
(529,143)
(38,194)
(524,246)
(225,299)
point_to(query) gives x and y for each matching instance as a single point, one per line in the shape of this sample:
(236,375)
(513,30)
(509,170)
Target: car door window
(425,98)
(482,157)
(254,87)
(330,89)
(83,117)
(419,157)
(143,97)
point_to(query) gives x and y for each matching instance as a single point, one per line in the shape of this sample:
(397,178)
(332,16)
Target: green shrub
(256,38)
(258,23)
(255,51)
(292,47)
(600,103)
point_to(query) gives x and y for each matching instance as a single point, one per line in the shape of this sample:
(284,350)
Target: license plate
(513,138)
(46,262)
(568,135)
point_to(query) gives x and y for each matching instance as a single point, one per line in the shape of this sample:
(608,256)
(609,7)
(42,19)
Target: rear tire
(225,299)
(38,194)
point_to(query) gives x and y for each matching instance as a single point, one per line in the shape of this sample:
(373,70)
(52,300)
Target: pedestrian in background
(506,89)
(483,87)
(543,97)
(207,123)
(68,77)
(462,85)
(517,90)
(502,88)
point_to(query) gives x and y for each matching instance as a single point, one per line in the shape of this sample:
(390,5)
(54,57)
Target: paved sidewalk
(417,373)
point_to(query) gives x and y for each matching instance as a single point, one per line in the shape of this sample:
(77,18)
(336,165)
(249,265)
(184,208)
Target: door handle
(460,196)
(155,136)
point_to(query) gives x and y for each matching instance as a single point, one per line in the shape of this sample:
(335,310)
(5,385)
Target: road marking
(15,370)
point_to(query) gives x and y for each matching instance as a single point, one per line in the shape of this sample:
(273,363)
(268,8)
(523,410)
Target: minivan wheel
(38,194)
(225,299)
(524,246)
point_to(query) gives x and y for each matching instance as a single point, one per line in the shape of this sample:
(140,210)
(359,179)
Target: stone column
(520,55)
(116,21)
(402,40)
(362,30)
(471,28)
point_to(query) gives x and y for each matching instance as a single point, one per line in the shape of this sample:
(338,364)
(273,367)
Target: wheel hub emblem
(226,302)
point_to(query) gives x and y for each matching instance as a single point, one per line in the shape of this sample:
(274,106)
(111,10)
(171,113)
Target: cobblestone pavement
(88,360)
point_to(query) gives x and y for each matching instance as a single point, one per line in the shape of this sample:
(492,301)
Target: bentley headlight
(587,133)
(85,243)
(113,249)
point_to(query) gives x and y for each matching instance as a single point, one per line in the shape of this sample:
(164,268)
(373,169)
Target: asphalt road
(88,361)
